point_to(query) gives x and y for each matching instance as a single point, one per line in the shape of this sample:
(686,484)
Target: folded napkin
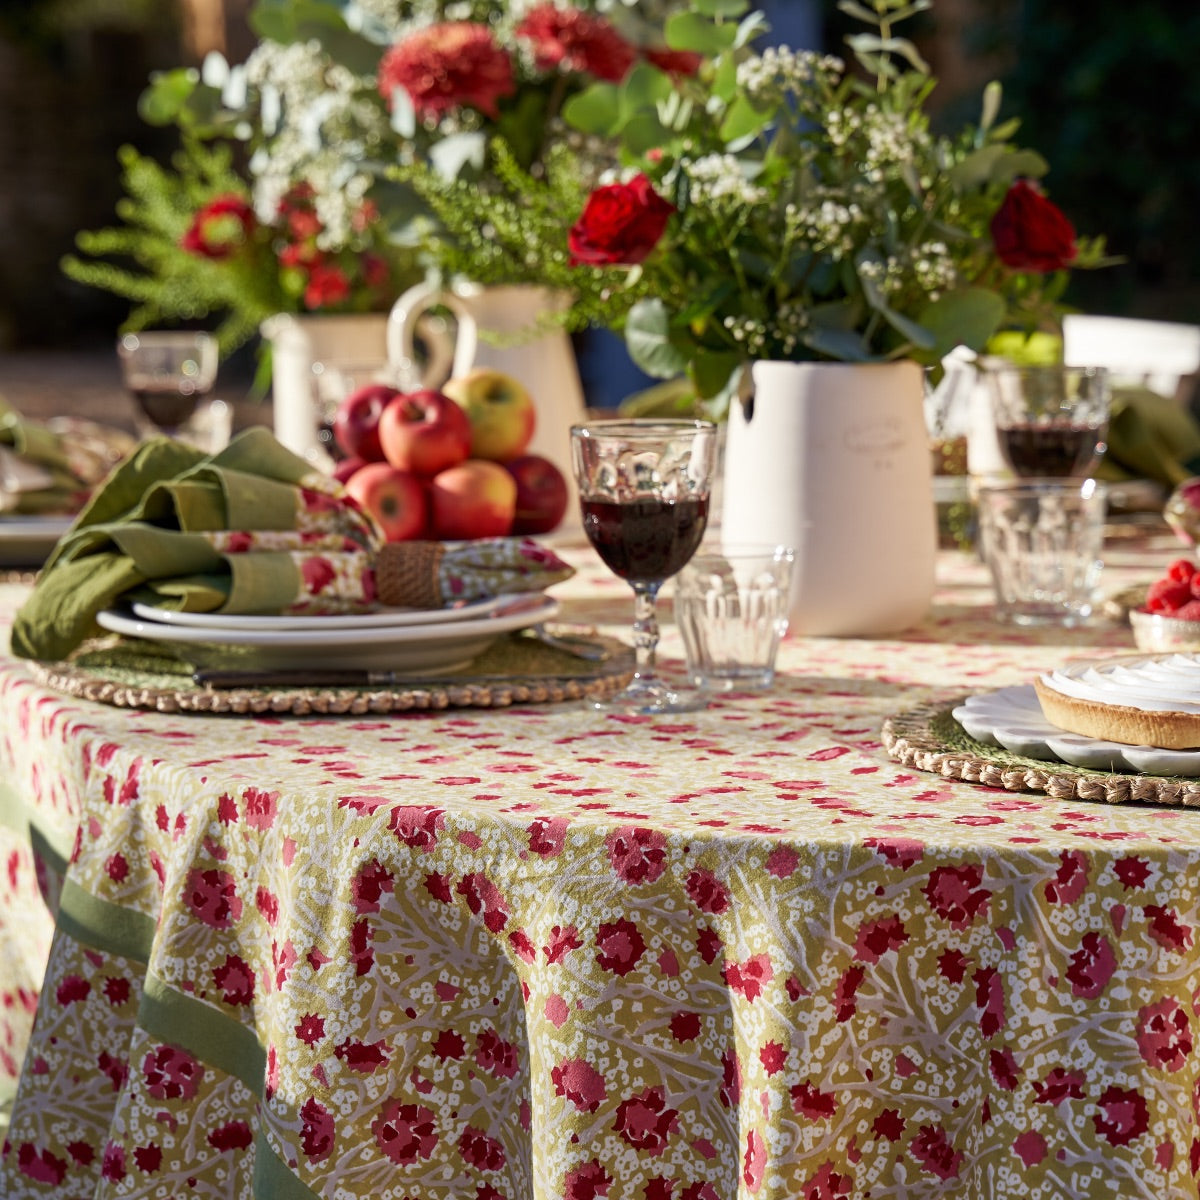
(49,468)
(1150,437)
(252,529)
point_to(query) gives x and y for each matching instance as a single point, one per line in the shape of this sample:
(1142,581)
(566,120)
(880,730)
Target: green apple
(500,411)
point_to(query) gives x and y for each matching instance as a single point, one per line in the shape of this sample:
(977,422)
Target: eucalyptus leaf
(743,120)
(691,31)
(874,45)
(721,8)
(645,132)
(167,96)
(648,340)
(845,345)
(644,86)
(967,317)
(596,109)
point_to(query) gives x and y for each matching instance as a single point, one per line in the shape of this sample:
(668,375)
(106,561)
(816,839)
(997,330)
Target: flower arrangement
(348,154)
(776,204)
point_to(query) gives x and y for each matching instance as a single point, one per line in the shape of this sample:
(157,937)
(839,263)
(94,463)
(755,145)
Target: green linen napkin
(1150,437)
(50,468)
(253,529)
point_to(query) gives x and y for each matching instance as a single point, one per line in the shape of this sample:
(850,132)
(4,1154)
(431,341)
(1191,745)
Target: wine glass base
(648,697)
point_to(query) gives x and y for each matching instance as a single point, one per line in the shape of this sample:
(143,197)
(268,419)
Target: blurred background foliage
(1103,90)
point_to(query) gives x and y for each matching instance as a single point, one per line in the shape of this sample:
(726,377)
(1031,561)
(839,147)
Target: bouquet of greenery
(352,151)
(776,204)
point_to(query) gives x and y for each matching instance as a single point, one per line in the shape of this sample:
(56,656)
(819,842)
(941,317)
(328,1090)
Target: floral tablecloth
(546,953)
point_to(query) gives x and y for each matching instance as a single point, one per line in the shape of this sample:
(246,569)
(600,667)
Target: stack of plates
(408,640)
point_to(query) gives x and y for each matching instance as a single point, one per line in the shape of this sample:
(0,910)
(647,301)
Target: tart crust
(1118,722)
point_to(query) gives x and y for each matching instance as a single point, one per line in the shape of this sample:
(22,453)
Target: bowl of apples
(449,464)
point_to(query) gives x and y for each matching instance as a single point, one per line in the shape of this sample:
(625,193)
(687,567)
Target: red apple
(475,499)
(542,495)
(345,467)
(500,410)
(356,421)
(424,432)
(395,498)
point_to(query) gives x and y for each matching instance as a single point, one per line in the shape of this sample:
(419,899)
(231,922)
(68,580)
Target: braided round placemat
(512,671)
(930,739)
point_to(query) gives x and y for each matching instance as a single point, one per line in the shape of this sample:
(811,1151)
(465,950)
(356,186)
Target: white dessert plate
(29,540)
(384,618)
(1012,717)
(412,649)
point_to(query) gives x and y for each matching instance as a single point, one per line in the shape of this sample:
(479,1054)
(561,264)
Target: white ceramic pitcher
(494,330)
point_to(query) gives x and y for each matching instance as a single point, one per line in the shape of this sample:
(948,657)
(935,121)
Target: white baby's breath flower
(718,179)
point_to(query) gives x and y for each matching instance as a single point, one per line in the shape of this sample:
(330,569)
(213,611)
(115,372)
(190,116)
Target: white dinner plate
(389,618)
(1012,717)
(28,541)
(412,649)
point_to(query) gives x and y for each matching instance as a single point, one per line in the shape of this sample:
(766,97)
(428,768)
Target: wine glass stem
(645,627)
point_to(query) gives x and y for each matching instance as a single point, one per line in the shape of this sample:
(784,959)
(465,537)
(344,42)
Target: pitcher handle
(402,323)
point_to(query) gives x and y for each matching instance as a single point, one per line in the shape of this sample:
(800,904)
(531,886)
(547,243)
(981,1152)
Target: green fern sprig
(142,260)
(515,231)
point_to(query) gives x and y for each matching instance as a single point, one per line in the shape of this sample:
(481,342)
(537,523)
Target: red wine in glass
(167,406)
(644,487)
(1058,449)
(648,539)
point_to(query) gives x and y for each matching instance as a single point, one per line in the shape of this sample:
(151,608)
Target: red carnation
(447,66)
(620,223)
(327,286)
(576,41)
(1030,233)
(220,228)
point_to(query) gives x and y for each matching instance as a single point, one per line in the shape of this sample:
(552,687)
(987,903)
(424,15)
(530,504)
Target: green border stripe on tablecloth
(273,1179)
(203,1031)
(57,860)
(103,925)
(222,1042)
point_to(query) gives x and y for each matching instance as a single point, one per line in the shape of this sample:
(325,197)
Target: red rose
(1030,233)
(576,41)
(674,62)
(620,223)
(220,228)
(448,66)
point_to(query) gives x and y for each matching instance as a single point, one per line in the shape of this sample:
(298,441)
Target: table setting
(355,840)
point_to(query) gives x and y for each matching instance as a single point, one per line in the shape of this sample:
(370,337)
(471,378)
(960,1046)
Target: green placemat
(930,739)
(513,670)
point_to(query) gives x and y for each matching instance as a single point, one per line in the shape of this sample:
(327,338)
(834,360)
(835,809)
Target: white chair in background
(1155,353)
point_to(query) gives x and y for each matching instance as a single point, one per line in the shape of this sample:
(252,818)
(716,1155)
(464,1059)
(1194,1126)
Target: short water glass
(731,606)
(1042,541)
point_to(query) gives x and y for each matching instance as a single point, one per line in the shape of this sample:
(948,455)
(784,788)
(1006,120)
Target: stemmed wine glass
(169,374)
(644,488)
(1051,421)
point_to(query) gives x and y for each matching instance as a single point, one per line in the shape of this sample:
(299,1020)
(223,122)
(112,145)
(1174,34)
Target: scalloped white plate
(1012,717)
(410,648)
(388,618)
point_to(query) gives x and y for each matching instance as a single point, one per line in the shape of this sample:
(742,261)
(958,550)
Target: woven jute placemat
(930,739)
(512,671)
